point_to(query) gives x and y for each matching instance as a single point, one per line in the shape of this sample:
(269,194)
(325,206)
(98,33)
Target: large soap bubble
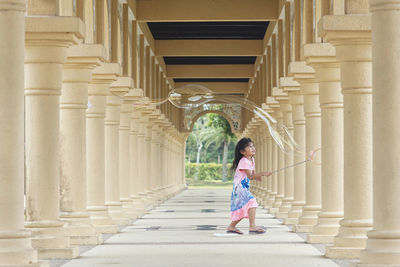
(192,96)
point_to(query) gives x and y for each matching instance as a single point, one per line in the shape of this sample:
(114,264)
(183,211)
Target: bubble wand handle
(310,158)
(290,166)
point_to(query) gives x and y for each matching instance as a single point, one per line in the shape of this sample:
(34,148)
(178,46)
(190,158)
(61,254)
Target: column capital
(320,54)
(279,95)
(121,86)
(54,30)
(86,54)
(13,5)
(346,29)
(103,76)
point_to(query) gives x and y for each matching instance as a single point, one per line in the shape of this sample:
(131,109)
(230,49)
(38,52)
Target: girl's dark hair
(241,145)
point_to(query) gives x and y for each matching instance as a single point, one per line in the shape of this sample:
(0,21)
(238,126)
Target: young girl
(243,204)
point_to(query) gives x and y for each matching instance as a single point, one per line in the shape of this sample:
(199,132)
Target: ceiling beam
(209,47)
(211,71)
(219,87)
(206,10)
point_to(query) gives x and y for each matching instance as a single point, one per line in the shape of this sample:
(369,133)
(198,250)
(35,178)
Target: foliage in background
(207,171)
(211,141)
(212,153)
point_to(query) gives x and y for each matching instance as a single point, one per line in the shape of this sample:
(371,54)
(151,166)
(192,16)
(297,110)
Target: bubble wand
(310,158)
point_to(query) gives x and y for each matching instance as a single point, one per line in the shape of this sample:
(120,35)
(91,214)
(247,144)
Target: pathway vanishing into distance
(189,230)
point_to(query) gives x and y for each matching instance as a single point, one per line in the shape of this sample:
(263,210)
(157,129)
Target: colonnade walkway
(189,230)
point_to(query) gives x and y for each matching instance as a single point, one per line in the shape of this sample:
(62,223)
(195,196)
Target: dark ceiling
(191,80)
(244,30)
(208,60)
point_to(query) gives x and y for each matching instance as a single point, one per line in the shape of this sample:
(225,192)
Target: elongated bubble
(192,96)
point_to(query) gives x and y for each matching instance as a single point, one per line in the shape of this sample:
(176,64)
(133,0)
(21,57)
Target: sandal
(235,231)
(258,231)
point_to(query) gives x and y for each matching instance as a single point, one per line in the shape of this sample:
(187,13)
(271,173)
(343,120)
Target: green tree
(219,132)
(199,138)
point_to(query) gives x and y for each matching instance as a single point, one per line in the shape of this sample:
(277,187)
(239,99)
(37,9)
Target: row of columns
(341,101)
(95,159)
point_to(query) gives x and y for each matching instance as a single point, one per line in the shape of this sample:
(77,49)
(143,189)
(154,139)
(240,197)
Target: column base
(271,199)
(326,228)
(129,210)
(79,229)
(308,219)
(383,248)
(116,213)
(38,264)
(342,252)
(320,239)
(348,243)
(102,221)
(58,253)
(284,209)
(295,213)
(50,241)
(302,228)
(16,249)
(291,221)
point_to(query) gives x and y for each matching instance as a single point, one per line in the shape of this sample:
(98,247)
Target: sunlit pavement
(189,230)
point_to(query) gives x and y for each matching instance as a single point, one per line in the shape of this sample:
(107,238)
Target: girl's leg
(233,224)
(252,218)
(252,221)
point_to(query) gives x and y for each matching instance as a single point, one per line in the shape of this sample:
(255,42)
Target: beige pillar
(161,159)
(111,133)
(45,52)
(125,165)
(305,75)
(136,206)
(270,143)
(77,72)
(274,158)
(148,178)
(279,164)
(351,36)
(103,76)
(134,152)
(299,154)
(383,241)
(155,160)
(15,248)
(288,156)
(322,58)
(141,161)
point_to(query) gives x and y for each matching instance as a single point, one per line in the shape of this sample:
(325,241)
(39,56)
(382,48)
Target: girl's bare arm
(256,176)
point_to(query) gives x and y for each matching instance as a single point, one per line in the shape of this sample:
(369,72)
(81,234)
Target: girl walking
(243,203)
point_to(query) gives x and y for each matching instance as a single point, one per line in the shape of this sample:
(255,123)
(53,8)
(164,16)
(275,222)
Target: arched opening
(210,150)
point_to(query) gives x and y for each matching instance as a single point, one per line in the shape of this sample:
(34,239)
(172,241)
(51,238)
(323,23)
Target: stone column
(279,164)
(45,52)
(143,142)
(270,143)
(322,58)
(125,165)
(15,248)
(155,162)
(111,140)
(134,152)
(305,75)
(103,76)
(351,36)
(274,157)
(288,156)
(77,72)
(299,171)
(383,241)
(148,180)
